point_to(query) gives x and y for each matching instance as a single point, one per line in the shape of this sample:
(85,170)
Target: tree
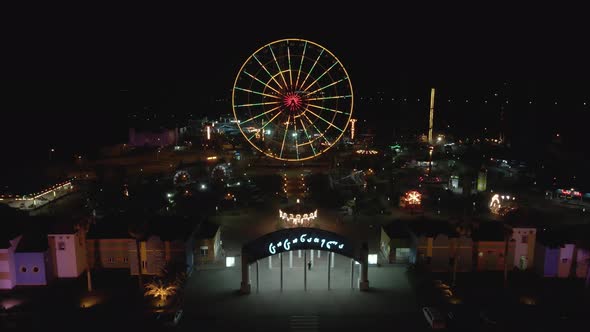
(159,288)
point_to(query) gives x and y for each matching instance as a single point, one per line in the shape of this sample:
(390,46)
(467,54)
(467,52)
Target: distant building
(489,247)
(8,243)
(558,252)
(397,243)
(208,243)
(67,244)
(36,250)
(108,243)
(168,240)
(32,260)
(439,245)
(524,239)
(154,138)
(482,180)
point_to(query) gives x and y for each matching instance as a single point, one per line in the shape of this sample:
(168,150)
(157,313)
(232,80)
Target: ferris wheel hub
(293,101)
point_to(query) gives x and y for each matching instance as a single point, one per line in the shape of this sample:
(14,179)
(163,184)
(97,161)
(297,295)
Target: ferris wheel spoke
(300,65)
(316,128)
(330,124)
(259,104)
(285,136)
(290,74)
(259,115)
(309,139)
(327,109)
(332,97)
(266,70)
(329,85)
(266,124)
(296,144)
(261,82)
(312,67)
(258,93)
(320,77)
(278,67)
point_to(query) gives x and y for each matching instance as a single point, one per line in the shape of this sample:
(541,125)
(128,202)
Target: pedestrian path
(304,323)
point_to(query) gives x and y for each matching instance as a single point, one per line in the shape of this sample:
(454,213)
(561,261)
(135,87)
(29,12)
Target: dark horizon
(73,88)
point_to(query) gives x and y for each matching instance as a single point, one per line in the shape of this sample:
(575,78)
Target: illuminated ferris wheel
(292,99)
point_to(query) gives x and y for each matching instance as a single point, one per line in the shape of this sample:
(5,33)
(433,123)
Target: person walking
(309,265)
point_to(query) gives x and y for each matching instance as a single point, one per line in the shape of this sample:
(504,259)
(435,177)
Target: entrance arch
(302,238)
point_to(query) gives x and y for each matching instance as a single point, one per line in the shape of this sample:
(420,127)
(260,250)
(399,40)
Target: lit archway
(302,238)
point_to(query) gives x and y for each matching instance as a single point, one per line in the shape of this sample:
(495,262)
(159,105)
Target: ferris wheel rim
(241,71)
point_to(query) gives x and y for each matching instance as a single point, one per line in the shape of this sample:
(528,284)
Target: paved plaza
(213,303)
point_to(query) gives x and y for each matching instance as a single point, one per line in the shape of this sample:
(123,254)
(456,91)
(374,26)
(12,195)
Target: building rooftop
(397,230)
(432,227)
(488,231)
(22,224)
(166,227)
(172,227)
(33,241)
(109,228)
(206,230)
(564,234)
(10,230)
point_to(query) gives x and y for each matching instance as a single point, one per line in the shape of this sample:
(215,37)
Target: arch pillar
(364,282)
(245,286)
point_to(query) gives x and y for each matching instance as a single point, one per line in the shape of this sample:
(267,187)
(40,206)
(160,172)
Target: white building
(67,245)
(524,239)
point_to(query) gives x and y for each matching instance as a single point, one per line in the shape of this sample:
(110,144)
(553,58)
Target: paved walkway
(212,302)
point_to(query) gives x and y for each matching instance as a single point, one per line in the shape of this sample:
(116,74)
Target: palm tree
(158,288)
(138,231)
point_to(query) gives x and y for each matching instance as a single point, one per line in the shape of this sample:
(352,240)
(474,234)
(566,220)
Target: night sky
(72,82)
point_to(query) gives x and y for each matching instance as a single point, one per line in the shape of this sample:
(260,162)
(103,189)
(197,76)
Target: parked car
(463,318)
(170,318)
(434,318)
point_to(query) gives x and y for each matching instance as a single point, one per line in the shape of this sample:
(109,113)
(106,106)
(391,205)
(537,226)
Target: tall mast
(431,120)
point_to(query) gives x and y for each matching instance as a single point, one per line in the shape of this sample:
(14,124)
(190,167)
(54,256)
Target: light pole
(430,149)
(51,151)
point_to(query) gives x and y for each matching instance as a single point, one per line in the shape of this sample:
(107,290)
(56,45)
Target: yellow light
(413,197)
(371,152)
(212,158)
(208,133)
(158,289)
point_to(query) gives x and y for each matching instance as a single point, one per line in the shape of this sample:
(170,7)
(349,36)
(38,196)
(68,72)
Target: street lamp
(430,149)
(51,151)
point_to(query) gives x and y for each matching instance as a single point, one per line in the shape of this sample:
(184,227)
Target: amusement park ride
(292,100)
(298,97)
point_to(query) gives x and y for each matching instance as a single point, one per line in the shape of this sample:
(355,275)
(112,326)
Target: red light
(292,101)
